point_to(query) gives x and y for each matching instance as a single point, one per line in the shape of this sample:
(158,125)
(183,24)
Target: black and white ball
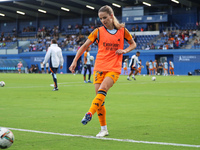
(91,58)
(153,78)
(2,84)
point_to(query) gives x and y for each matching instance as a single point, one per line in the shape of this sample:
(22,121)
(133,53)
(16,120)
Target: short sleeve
(85,54)
(127,35)
(93,36)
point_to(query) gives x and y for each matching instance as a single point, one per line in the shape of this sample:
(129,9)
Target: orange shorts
(125,68)
(99,76)
(171,68)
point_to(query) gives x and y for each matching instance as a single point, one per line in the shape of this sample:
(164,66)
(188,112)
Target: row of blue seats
(10,68)
(195,47)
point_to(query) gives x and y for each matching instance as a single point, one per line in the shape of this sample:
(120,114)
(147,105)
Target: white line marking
(108,139)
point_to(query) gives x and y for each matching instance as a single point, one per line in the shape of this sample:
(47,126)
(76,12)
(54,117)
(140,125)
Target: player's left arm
(132,44)
(61,59)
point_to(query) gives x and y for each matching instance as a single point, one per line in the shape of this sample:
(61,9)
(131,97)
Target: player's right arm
(47,56)
(78,55)
(91,38)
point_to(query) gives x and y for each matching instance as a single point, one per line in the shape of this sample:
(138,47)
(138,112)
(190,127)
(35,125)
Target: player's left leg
(173,71)
(156,71)
(53,73)
(89,68)
(136,72)
(97,102)
(128,78)
(102,120)
(84,75)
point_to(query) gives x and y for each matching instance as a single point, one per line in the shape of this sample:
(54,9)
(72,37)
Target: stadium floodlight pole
(145,3)
(116,5)
(175,1)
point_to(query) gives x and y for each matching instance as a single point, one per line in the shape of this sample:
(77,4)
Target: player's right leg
(128,78)
(53,73)
(89,68)
(84,75)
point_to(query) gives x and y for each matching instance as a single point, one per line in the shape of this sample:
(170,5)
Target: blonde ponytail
(117,24)
(110,11)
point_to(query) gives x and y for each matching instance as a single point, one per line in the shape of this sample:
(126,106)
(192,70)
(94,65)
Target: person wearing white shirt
(133,65)
(171,69)
(54,53)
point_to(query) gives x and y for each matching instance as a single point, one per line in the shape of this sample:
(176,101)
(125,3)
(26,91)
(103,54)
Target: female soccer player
(171,68)
(155,66)
(125,66)
(151,68)
(87,65)
(19,65)
(110,38)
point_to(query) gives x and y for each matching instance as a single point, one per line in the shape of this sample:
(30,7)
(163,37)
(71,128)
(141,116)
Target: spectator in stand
(164,33)
(196,43)
(142,29)
(14,39)
(186,39)
(176,43)
(197,25)
(135,38)
(171,38)
(165,46)
(8,38)
(133,28)
(147,47)
(137,28)
(190,33)
(183,35)
(194,33)
(171,45)
(69,26)
(152,46)
(150,28)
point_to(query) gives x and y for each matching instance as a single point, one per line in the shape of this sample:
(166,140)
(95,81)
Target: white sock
(133,76)
(104,127)
(128,77)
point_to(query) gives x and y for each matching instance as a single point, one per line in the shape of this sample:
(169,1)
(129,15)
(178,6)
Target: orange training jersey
(107,59)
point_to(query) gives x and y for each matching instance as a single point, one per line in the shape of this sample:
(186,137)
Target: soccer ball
(2,84)
(153,79)
(91,58)
(6,138)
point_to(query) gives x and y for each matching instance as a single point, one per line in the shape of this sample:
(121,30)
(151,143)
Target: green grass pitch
(166,110)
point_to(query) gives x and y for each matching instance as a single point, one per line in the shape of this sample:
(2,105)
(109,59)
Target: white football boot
(102,133)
